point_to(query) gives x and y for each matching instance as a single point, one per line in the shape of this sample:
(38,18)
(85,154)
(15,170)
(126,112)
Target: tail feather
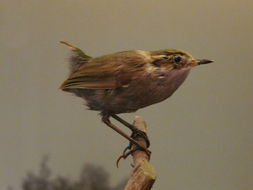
(78,58)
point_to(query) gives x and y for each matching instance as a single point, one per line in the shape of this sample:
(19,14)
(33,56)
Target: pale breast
(145,91)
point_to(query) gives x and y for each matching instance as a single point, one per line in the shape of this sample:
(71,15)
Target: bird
(126,81)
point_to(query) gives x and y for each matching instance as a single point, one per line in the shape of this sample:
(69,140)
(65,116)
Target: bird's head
(177,58)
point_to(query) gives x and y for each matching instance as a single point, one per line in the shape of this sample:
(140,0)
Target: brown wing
(106,72)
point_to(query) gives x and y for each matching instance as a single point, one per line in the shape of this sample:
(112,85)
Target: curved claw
(127,148)
(124,156)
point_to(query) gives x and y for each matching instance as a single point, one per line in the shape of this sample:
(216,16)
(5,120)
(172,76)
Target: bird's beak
(203,61)
(196,62)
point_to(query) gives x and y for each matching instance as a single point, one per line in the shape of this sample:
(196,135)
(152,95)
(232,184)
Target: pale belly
(138,94)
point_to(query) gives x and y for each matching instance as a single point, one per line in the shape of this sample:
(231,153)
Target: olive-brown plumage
(129,80)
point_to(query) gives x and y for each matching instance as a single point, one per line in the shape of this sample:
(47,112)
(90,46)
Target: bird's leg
(105,119)
(135,132)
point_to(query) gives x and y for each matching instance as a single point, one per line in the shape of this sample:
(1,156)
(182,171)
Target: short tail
(78,58)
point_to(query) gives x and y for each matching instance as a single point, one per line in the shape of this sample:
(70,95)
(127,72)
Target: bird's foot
(130,150)
(136,134)
(127,151)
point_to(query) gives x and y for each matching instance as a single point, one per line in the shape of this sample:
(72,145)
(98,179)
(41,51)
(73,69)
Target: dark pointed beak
(204,61)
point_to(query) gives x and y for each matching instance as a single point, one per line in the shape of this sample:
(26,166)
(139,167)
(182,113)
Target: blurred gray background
(201,138)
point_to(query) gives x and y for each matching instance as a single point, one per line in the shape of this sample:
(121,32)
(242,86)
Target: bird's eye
(177,58)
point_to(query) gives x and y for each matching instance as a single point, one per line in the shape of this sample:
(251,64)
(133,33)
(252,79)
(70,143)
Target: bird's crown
(168,52)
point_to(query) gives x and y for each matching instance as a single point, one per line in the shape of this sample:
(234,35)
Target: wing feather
(106,72)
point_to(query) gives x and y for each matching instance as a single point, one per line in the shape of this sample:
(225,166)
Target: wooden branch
(143,174)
